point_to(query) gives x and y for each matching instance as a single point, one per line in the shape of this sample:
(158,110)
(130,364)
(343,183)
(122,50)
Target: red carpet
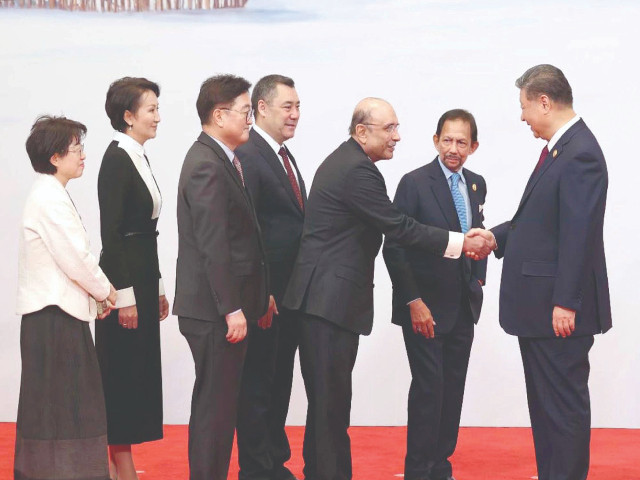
(378,452)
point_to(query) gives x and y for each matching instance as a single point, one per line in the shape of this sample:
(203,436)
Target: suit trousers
(556,372)
(288,339)
(263,446)
(218,366)
(438,374)
(327,356)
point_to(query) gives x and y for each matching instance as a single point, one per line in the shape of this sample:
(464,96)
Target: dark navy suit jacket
(277,208)
(553,247)
(424,194)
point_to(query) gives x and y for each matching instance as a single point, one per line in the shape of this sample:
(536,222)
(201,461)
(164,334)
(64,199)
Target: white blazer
(55,264)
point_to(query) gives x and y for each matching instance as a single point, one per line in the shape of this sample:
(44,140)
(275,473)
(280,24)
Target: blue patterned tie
(458,201)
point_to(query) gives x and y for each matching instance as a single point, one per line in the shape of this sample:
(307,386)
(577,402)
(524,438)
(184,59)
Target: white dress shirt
(136,152)
(562,131)
(276,148)
(55,264)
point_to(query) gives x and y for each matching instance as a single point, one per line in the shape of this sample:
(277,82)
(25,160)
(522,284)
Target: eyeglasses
(390,129)
(79,150)
(247,113)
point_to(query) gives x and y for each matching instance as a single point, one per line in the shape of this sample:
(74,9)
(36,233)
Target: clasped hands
(105,306)
(478,243)
(128,316)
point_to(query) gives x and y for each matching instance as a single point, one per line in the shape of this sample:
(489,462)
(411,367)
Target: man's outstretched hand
(478,243)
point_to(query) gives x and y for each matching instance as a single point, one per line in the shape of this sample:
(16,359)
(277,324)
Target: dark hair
(459,114)
(219,90)
(125,94)
(266,88)
(546,80)
(50,135)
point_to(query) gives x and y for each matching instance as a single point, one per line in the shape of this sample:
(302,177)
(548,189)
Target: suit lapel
(553,156)
(273,161)
(442,194)
(222,157)
(473,201)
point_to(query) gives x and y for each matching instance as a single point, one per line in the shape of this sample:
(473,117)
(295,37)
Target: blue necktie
(458,201)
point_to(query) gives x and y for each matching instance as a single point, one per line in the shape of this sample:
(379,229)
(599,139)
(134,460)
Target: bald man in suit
(332,281)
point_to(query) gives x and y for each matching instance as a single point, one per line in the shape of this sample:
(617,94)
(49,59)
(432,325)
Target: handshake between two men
(478,243)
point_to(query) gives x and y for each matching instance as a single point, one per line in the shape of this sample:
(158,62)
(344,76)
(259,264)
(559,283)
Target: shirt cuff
(160,287)
(126,298)
(232,313)
(454,247)
(414,300)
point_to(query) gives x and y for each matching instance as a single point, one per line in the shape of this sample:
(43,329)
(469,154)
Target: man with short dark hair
(436,300)
(554,292)
(332,281)
(279,195)
(221,278)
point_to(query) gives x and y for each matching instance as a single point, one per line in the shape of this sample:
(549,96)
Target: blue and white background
(425,57)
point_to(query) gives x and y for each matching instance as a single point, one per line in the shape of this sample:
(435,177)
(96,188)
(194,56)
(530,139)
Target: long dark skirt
(130,360)
(61,432)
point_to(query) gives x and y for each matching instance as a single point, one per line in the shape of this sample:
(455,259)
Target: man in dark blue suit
(436,300)
(554,293)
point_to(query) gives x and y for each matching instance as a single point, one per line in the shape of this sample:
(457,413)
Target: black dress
(129,359)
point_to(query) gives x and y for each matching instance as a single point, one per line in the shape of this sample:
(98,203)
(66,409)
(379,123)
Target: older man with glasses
(332,281)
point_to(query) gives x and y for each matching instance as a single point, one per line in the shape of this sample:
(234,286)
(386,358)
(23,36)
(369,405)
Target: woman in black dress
(128,341)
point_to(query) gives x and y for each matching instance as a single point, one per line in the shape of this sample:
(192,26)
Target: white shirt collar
(268,138)
(226,149)
(128,143)
(561,131)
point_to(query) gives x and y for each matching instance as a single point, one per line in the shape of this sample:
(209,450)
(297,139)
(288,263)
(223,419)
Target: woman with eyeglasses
(128,341)
(61,430)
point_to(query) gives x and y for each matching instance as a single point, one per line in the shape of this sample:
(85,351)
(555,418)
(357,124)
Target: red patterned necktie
(291,175)
(543,155)
(236,163)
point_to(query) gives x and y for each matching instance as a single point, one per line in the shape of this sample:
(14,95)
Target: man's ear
(361,133)
(262,107)
(545,103)
(217,117)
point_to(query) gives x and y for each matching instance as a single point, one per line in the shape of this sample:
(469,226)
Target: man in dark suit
(278,193)
(332,280)
(554,292)
(221,278)
(436,300)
